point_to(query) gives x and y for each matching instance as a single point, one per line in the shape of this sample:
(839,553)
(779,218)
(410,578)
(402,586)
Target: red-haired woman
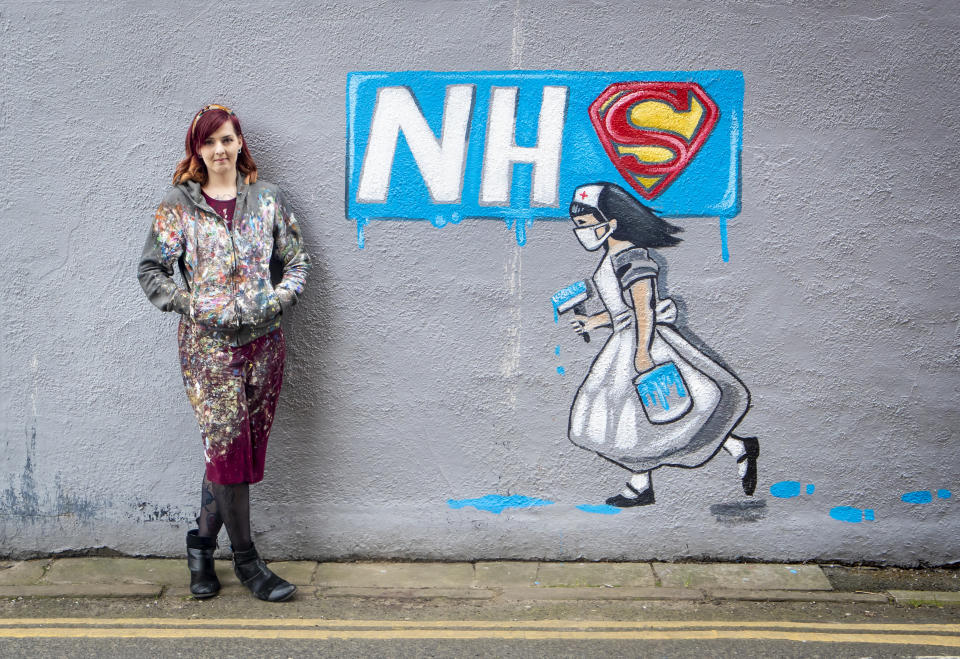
(221,227)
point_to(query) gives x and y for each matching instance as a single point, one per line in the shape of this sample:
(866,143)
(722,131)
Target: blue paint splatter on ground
(556,351)
(943,494)
(810,488)
(497,503)
(785,489)
(602,509)
(851,515)
(561,370)
(920,496)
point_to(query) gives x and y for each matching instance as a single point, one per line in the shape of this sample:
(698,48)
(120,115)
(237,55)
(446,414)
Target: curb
(543,594)
(926,597)
(151,591)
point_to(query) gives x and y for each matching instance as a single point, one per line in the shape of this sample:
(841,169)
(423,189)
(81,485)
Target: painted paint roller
(571,297)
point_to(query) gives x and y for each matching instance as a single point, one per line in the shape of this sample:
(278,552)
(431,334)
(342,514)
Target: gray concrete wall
(422,368)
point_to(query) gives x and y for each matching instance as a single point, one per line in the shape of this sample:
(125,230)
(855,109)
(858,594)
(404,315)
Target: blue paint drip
(810,488)
(556,351)
(918,497)
(564,294)
(602,509)
(561,370)
(943,494)
(441,221)
(785,489)
(851,515)
(654,389)
(497,503)
(519,226)
(361,225)
(724,251)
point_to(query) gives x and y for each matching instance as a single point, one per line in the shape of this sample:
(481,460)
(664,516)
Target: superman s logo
(652,130)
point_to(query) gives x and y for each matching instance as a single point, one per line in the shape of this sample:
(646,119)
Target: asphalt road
(357,627)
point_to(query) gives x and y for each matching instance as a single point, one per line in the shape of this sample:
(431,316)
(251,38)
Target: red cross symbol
(583,195)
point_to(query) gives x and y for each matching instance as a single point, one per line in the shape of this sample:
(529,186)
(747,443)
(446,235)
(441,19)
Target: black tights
(226,505)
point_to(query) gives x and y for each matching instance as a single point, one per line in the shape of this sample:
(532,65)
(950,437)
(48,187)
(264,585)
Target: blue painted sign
(514,145)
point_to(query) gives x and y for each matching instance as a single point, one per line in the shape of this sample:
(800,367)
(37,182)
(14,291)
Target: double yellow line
(943,635)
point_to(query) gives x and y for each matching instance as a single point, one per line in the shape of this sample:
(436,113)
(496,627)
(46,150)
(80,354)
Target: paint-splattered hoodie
(227,273)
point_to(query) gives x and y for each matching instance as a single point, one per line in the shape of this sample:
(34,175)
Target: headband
(205,108)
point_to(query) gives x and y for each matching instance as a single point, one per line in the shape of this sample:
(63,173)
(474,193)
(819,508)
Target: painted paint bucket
(664,394)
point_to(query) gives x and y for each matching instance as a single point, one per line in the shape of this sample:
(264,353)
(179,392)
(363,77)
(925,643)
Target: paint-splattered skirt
(234,393)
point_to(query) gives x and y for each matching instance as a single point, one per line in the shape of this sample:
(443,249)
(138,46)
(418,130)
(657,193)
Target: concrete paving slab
(623,593)
(638,575)
(117,570)
(502,574)
(926,597)
(22,572)
(82,590)
(750,576)
(394,575)
(299,573)
(796,596)
(409,593)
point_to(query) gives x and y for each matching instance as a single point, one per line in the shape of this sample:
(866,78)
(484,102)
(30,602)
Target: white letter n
(441,162)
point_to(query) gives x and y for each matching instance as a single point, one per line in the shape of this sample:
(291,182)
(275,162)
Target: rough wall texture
(422,368)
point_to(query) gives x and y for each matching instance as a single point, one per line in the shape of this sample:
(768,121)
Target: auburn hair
(205,123)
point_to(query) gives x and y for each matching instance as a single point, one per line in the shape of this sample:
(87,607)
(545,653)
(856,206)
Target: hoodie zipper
(233,254)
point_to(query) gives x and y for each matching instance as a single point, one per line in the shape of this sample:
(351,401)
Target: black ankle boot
(203,578)
(255,575)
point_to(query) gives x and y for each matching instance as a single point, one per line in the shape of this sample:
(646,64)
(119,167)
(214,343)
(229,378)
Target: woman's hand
(642,362)
(582,323)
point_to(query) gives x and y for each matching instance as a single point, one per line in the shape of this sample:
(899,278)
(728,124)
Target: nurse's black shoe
(255,575)
(644,498)
(749,480)
(203,577)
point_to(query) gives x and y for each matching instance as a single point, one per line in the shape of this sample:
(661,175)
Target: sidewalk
(508,581)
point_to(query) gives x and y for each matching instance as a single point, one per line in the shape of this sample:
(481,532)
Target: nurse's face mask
(593,236)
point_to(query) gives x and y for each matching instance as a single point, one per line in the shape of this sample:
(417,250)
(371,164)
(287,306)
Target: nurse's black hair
(635,222)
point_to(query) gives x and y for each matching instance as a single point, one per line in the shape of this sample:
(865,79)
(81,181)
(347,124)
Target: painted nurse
(650,399)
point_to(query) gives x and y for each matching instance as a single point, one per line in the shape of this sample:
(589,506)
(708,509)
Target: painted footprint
(789,489)
(852,515)
(924,496)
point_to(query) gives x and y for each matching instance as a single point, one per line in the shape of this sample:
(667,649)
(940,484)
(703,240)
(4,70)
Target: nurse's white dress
(607,416)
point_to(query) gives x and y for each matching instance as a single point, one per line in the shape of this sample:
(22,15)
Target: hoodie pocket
(213,305)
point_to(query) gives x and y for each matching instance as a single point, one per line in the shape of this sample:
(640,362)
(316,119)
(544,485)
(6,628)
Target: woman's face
(219,150)
(589,220)
(591,231)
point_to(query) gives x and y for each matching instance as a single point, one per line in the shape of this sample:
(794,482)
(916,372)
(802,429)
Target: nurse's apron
(607,415)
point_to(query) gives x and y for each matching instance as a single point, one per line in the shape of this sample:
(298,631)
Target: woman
(622,411)
(222,226)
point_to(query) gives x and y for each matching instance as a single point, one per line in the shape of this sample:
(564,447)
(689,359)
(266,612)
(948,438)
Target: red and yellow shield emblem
(652,130)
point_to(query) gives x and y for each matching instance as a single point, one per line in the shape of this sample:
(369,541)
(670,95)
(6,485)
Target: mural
(515,146)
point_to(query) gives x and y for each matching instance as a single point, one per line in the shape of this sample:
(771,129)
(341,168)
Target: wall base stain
(739,512)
